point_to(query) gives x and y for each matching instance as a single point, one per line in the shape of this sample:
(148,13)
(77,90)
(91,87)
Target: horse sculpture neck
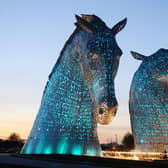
(67,72)
(67,95)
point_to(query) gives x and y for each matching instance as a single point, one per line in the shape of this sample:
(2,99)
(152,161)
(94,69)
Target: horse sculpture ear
(138,56)
(119,26)
(84,24)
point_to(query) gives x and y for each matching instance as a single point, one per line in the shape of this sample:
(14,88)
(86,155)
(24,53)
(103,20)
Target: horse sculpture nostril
(101,110)
(105,113)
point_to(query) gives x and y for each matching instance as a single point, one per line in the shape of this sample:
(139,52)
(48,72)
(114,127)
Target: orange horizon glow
(106,134)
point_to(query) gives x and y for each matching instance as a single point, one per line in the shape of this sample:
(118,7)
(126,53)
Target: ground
(69,161)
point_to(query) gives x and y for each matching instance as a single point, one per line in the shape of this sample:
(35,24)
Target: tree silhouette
(128,141)
(13,144)
(14,137)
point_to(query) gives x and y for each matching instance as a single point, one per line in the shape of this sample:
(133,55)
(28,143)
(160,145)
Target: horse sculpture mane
(79,92)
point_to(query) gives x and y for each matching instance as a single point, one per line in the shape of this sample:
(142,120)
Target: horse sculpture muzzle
(105,113)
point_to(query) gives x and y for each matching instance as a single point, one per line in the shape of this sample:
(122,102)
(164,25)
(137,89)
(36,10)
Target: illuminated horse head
(79,92)
(149,102)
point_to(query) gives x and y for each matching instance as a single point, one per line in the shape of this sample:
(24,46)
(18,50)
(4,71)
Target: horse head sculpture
(148,102)
(99,65)
(79,92)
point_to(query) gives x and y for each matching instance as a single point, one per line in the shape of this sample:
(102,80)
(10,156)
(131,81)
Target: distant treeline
(14,143)
(127,144)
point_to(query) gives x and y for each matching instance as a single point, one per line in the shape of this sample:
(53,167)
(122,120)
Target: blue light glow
(77,150)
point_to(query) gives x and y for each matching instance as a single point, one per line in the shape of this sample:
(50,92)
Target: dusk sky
(32,34)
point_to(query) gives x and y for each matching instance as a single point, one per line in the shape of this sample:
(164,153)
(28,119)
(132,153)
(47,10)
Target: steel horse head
(99,64)
(79,92)
(148,102)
